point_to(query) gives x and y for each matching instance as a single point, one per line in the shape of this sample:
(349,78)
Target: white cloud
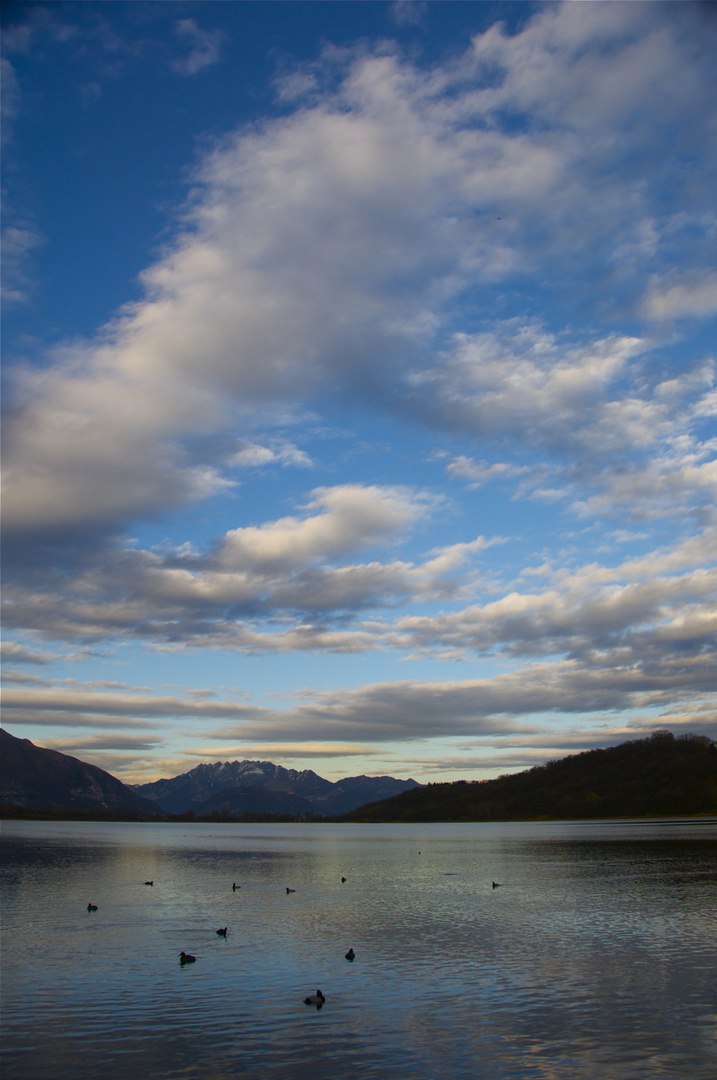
(321,250)
(352,517)
(280,452)
(695,297)
(206,47)
(16,653)
(18,241)
(520,381)
(482,472)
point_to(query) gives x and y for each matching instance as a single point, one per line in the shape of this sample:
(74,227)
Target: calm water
(596,958)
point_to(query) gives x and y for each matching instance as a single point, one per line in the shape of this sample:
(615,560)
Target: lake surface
(595,958)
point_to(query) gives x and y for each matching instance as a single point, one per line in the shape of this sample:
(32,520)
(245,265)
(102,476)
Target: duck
(149,883)
(222,932)
(235,887)
(350,955)
(496,884)
(316,999)
(290,890)
(186,958)
(343,879)
(92,907)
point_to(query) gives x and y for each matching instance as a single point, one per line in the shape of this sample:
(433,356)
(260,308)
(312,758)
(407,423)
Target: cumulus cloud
(280,452)
(321,250)
(299,564)
(695,297)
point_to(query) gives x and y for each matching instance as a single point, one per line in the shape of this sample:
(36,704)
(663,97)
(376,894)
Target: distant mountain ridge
(227,787)
(34,778)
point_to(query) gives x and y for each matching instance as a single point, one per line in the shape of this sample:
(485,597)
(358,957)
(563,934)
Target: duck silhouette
(350,955)
(222,932)
(496,884)
(92,907)
(149,883)
(343,879)
(316,999)
(186,958)
(235,887)
(290,890)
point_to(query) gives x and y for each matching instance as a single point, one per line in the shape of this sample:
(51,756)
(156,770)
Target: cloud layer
(507,252)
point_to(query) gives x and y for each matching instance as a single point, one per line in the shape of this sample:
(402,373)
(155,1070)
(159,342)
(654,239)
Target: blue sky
(358,381)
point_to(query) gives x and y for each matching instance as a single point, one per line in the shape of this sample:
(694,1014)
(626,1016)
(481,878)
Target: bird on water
(496,884)
(186,958)
(92,907)
(316,999)
(343,879)
(235,887)
(290,890)
(149,883)
(350,954)
(222,932)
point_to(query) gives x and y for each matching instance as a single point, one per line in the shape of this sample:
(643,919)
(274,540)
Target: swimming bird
(186,958)
(92,907)
(223,932)
(235,887)
(343,879)
(316,999)
(350,954)
(290,890)
(496,884)
(149,883)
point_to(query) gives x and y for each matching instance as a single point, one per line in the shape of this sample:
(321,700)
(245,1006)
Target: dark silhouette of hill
(226,787)
(34,778)
(660,776)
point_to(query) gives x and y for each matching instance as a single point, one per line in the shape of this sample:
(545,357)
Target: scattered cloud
(18,241)
(205,47)
(493,249)
(694,297)
(409,12)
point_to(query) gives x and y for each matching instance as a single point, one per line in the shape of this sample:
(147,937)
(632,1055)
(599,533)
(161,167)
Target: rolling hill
(660,776)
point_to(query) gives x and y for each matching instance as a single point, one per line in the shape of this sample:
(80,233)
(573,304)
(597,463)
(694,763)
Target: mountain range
(659,776)
(34,778)
(239,787)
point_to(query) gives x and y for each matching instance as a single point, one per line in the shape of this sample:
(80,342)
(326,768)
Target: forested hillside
(660,776)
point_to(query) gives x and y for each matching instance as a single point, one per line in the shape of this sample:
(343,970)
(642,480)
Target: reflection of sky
(576,967)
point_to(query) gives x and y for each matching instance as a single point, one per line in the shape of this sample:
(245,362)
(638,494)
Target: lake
(595,958)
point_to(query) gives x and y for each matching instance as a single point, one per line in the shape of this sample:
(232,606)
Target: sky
(358,383)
